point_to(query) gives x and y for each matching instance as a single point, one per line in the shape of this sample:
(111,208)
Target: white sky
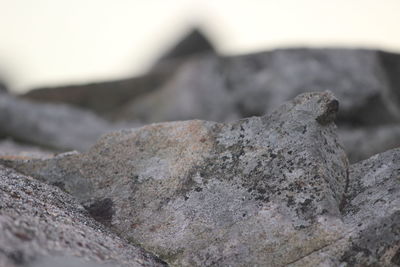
(55,42)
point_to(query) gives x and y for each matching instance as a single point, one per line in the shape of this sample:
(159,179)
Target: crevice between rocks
(345,197)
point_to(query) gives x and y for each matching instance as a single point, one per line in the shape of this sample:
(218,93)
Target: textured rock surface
(55,126)
(259,191)
(371,213)
(40,225)
(373,209)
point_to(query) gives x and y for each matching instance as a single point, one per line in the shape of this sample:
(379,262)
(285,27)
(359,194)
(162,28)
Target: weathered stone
(197,90)
(364,81)
(55,126)
(103,97)
(42,226)
(373,209)
(260,191)
(371,214)
(357,77)
(363,142)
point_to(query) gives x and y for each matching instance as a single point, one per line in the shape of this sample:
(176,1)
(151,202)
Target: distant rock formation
(193,43)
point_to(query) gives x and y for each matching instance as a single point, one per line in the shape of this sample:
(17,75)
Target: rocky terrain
(282,158)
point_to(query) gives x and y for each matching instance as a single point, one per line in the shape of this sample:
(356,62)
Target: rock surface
(371,214)
(54,126)
(201,193)
(275,190)
(42,226)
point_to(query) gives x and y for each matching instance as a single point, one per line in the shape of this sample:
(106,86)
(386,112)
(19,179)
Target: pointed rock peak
(195,41)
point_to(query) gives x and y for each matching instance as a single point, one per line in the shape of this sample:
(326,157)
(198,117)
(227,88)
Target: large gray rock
(371,214)
(265,191)
(103,97)
(373,209)
(42,226)
(223,89)
(197,90)
(59,127)
(363,80)
(260,191)
(358,78)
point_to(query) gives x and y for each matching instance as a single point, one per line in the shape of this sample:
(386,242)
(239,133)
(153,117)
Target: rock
(3,87)
(372,217)
(10,148)
(55,126)
(42,226)
(373,198)
(197,90)
(194,42)
(264,191)
(103,97)
(252,85)
(363,142)
(357,77)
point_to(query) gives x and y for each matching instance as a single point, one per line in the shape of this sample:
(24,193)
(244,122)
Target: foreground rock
(55,126)
(269,191)
(259,191)
(42,226)
(371,213)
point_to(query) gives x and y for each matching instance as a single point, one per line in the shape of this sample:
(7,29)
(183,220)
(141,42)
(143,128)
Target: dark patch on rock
(329,115)
(102,210)
(396,258)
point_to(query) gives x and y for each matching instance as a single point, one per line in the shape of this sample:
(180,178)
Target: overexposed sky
(55,42)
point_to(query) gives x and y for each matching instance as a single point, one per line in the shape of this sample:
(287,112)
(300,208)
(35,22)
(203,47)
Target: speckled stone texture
(264,190)
(41,226)
(371,215)
(275,190)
